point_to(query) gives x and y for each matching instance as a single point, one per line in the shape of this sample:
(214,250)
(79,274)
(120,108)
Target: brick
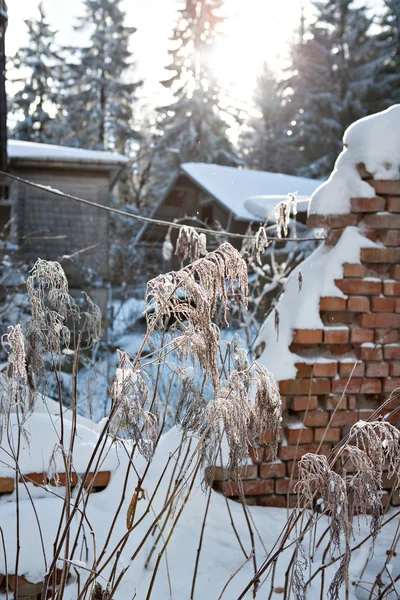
(101,479)
(391,288)
(387,187)
(338,349)
(392,351)
(376,320)
(61,480)
(377,370)
(317,418)
(272,470)
(369,353)
(256,487)
(358,304)
(384,220)
(359,286)
(394,272)
(325,369)
(330,434)
(336,336)
(332,221)
(6,485)
(386,336)
(353,270)
(332,236)
(256,454)
(303,436)
(334,402)
(307,336)
(285,486)
(338,318)
(383,304)
(35,478)
(303,387)
(246,472)
(304,370)
(393,204)
(361,336)
(394,369)
(397,306)
(380,255)
(346,369)
(265,437)
(390,384)
(293,452)
(273,501)
(390,238)
(367,205)
(332,303)
(357,386)
(304,403)
(364,174)
(342,418)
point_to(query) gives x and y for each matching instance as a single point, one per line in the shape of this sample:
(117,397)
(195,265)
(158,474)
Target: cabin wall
(50,227)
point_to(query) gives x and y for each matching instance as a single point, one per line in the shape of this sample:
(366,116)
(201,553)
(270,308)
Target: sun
(254,31)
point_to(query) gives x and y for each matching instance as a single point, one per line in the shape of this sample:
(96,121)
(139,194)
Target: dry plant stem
(167,495)
(251,534)
(127,534)
(230,514)
(203,525)
(5,560)
(17,508)
(171,531)
(233,576)
(337,406)
(272,584)
(68,466)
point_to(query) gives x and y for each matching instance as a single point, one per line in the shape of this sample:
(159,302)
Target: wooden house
(42,224)
(226,197)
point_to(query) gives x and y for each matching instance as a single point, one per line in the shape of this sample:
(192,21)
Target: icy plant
(190,244)
(129,395)
(191,297)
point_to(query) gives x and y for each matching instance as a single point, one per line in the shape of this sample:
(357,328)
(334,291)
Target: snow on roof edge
(21,150)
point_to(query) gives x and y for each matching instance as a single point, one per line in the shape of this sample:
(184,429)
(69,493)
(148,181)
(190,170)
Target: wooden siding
(50,227)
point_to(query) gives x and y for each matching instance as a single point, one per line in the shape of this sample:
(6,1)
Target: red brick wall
(364,325)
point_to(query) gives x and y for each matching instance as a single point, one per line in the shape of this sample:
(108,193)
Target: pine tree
(34,104)
(100,95)
(388,40)
(334,74)
(265,142)
(194,126)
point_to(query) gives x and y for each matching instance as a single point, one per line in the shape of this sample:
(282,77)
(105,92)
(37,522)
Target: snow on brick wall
(336,354)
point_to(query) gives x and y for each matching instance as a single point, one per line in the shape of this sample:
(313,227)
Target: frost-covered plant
(129,395)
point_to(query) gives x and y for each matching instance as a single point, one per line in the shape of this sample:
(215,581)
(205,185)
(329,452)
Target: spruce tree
(194,125)
(334,73)
(265,142)
(37,64)
(388,40)
(99,92)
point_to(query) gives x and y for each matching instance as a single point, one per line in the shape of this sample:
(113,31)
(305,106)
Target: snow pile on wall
(37,448)
(298,306)
(374,141)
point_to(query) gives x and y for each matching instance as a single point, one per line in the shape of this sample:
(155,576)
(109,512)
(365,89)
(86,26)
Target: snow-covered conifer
(194,127)
(99,90)
(36,65)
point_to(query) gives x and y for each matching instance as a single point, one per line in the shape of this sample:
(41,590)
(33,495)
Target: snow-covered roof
(249,195)
(18,149)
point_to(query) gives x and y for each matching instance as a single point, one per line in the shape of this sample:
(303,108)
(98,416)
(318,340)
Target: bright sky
(255,30)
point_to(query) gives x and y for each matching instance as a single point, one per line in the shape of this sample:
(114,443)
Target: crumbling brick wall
(355,360)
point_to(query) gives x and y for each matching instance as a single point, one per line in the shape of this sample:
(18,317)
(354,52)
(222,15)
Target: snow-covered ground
(221,557)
